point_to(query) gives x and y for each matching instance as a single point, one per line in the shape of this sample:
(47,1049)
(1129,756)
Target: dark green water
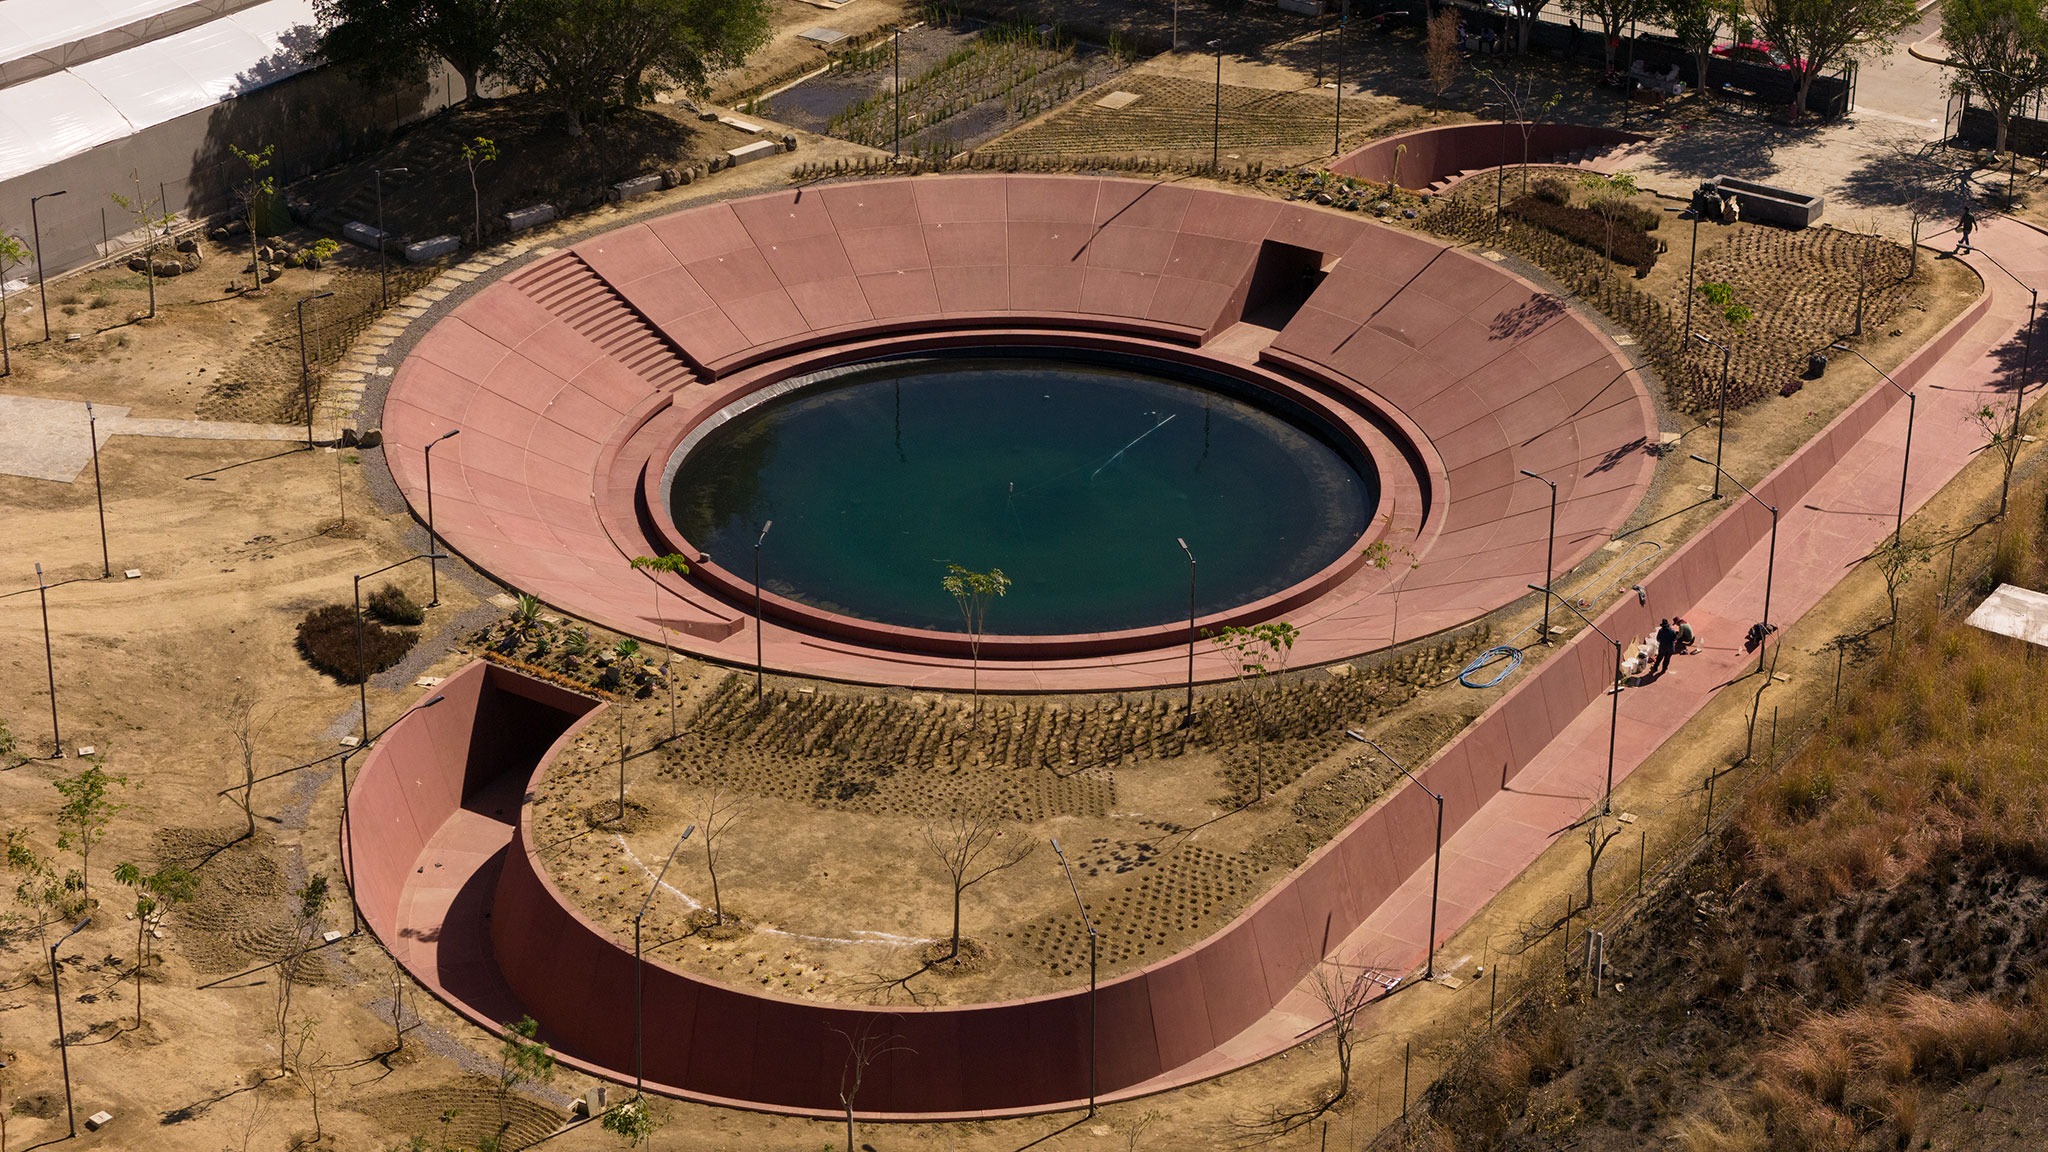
(1074,478)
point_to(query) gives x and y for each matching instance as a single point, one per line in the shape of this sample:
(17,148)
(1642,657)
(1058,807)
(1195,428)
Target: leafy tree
(1612,16)
(589,55)
(1609,195)
(1527,13)
(37,885)
(633,1121)
(255,191)
(974,592)
(1820,35)
(481,150)
(1697,25)
(967,848)
(13,254)
(1256,648)
(155,892)
(89,806)
(2000,52)
(522,1060)
(1898,561)
(380,42)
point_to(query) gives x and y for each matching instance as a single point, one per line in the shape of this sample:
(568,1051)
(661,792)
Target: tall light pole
(640,971)
(1550,551)
(362,659)
(1189,721)
(759,690)
(1770,565)
(1216,132)
(1905,459)
(1089,924)
(1436,863)
(433,537)
(1691,262)
(1721,422)
(897,85)
(1614,709)
(306,368)
(35,224)
(1337,142)
(50,663)
(64,1045)
(383,261)
(99,499)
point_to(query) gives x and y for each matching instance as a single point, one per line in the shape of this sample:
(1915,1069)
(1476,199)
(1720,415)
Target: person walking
(1667,643)
(1964,227)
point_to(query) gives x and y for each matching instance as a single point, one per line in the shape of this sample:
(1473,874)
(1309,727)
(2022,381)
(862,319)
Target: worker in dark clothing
(1667,643)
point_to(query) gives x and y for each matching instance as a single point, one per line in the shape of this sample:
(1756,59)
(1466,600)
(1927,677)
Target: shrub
(1585,227)
(391,605)
(1552,190)
(327,639)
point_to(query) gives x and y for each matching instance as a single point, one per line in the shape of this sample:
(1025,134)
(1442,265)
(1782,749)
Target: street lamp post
(99,499)
(1721,421)
(640,971)
(1906,459)
(433,538)
(1770,565)
(1182,541)
(1216,132)
(35,224)
(1436,860)
(1337,142)
(383,261)
(1614,708)
(50,663)
(362,659)
(64,1045)
(1089,924)
(759,690)
(898,87)
(1691,262)
(305,367)
(1550,551)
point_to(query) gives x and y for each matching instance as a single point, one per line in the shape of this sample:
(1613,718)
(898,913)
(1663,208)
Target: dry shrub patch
(327,639)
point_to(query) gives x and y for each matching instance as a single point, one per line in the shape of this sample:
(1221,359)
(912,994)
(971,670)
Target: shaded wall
(1435,153)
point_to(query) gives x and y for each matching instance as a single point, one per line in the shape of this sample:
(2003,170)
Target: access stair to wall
(572,290)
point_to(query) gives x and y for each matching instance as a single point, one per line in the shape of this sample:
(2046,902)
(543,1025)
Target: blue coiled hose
(1514,661)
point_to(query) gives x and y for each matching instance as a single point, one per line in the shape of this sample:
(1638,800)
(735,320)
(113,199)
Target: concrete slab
(2012,611)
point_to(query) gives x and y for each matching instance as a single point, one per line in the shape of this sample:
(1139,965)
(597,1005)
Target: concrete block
(360,233)
(754,151)
(432,248)
(98,1120)
(524,218)
(637,186)
(747,126)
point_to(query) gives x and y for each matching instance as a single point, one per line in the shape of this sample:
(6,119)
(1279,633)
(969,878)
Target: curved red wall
(1431,154)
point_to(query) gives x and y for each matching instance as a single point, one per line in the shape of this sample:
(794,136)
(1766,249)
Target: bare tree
(1521,105)
(1898,559)
(309,904)
(970,849)
(2004,427)
(307,1064)
(718,813)
(1341,995)
(1441,54)
(1597,840)
(243,725)
(865,1046)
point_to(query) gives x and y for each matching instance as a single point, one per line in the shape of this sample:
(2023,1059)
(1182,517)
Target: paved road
(1902,85)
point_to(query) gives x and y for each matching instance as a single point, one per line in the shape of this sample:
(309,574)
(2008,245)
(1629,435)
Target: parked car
(1759,52)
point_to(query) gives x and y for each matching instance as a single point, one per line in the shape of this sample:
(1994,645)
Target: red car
(1759,52)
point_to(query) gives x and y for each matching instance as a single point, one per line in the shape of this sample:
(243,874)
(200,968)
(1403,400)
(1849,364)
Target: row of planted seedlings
(999,61)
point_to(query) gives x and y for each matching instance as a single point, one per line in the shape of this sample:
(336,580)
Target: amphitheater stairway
(573,291)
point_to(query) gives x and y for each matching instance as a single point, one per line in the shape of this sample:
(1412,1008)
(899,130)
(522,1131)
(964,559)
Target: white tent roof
(31,26)
(62,114)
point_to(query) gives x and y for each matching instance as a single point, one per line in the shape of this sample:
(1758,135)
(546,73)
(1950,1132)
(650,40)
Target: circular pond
(1075,476)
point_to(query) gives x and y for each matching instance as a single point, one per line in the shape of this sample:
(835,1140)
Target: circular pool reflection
(1075,477)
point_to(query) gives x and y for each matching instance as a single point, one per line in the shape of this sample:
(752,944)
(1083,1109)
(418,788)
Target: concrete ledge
(1762,203)
(637,186)
(432,248)
(358,232)
(758,150)
(520,219)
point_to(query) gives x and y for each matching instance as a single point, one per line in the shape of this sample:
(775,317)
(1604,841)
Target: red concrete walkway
(1821,537)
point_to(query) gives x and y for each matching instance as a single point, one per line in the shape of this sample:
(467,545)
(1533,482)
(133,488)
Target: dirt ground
(236,540)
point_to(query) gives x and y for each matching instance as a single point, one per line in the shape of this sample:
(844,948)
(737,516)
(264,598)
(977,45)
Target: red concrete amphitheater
(574,379)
